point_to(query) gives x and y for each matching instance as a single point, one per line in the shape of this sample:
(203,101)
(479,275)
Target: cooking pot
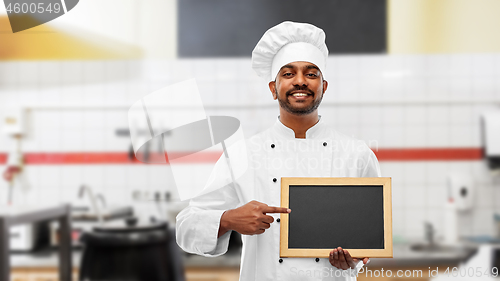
(131,251)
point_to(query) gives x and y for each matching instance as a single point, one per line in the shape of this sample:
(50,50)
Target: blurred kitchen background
(418,80)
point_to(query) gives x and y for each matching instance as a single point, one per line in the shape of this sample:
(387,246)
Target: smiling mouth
(300,94)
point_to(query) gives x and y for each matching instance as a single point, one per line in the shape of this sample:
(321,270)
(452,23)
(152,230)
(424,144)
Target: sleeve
(350,274)
(197,225)
(358,268)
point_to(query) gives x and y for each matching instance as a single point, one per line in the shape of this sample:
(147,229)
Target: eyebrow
(287,66)
(310,66)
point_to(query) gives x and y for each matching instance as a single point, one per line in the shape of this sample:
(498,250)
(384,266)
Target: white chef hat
(289,42)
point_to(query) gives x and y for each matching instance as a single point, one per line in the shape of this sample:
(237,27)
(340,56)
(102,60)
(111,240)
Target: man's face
(299,88)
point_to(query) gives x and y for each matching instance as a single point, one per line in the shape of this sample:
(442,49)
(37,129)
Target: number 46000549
(32,8)
(471,272)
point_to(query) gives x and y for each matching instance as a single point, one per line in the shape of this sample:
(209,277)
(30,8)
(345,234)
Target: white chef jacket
(273,154)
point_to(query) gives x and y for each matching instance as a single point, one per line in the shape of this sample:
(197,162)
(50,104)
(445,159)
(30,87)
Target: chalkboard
(353,213)
(229,28)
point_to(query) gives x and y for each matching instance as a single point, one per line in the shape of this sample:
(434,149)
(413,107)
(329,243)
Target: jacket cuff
(359,266)
(213,246)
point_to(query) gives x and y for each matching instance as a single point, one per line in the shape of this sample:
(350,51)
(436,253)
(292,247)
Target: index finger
(270,209)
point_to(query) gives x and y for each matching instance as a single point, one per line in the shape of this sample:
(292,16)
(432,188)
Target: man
(293,57)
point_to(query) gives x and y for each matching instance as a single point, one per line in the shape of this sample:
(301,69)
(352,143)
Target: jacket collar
(285,132)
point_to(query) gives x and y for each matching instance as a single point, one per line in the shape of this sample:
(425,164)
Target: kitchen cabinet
(212,274)
(18,275)
(192,274)
(38,274)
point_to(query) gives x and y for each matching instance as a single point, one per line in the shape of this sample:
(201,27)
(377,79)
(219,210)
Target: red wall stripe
(385,154)
(107,158)
(78,158)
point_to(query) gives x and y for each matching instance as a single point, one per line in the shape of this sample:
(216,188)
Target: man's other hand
(341,259)
(249,219)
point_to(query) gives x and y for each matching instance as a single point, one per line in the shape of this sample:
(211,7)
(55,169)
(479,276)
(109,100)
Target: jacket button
(280,260)
(325,144)
(272,145)
(317,259)
(275,180)
(278,220)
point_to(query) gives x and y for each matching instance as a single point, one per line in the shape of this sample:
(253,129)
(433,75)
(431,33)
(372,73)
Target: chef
(292,58)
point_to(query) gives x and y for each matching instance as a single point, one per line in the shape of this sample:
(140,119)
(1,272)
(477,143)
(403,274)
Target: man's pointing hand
(249,219)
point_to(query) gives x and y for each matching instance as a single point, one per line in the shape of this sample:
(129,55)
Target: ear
(325,85)
(272,88)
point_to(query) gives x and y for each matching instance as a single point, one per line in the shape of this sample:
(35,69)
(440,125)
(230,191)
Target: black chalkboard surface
(353,213)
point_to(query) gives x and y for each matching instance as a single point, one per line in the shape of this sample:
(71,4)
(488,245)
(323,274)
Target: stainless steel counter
(45,258)
(10,216)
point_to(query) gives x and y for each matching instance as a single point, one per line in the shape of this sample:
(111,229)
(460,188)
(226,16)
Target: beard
(286,105)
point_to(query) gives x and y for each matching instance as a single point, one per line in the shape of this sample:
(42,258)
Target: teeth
(299,94)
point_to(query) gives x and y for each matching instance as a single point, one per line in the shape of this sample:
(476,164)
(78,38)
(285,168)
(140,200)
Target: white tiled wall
(412,101)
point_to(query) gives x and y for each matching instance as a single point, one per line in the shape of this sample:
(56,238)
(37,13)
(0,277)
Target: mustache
(298,88)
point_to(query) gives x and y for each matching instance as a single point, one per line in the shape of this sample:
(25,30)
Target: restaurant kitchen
(423,93)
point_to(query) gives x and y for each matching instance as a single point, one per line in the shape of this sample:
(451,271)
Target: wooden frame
(386,252)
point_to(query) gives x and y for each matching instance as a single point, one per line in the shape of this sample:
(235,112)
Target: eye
(287,74)
(312,75)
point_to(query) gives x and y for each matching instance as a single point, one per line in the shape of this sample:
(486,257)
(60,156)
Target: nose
(300,80)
